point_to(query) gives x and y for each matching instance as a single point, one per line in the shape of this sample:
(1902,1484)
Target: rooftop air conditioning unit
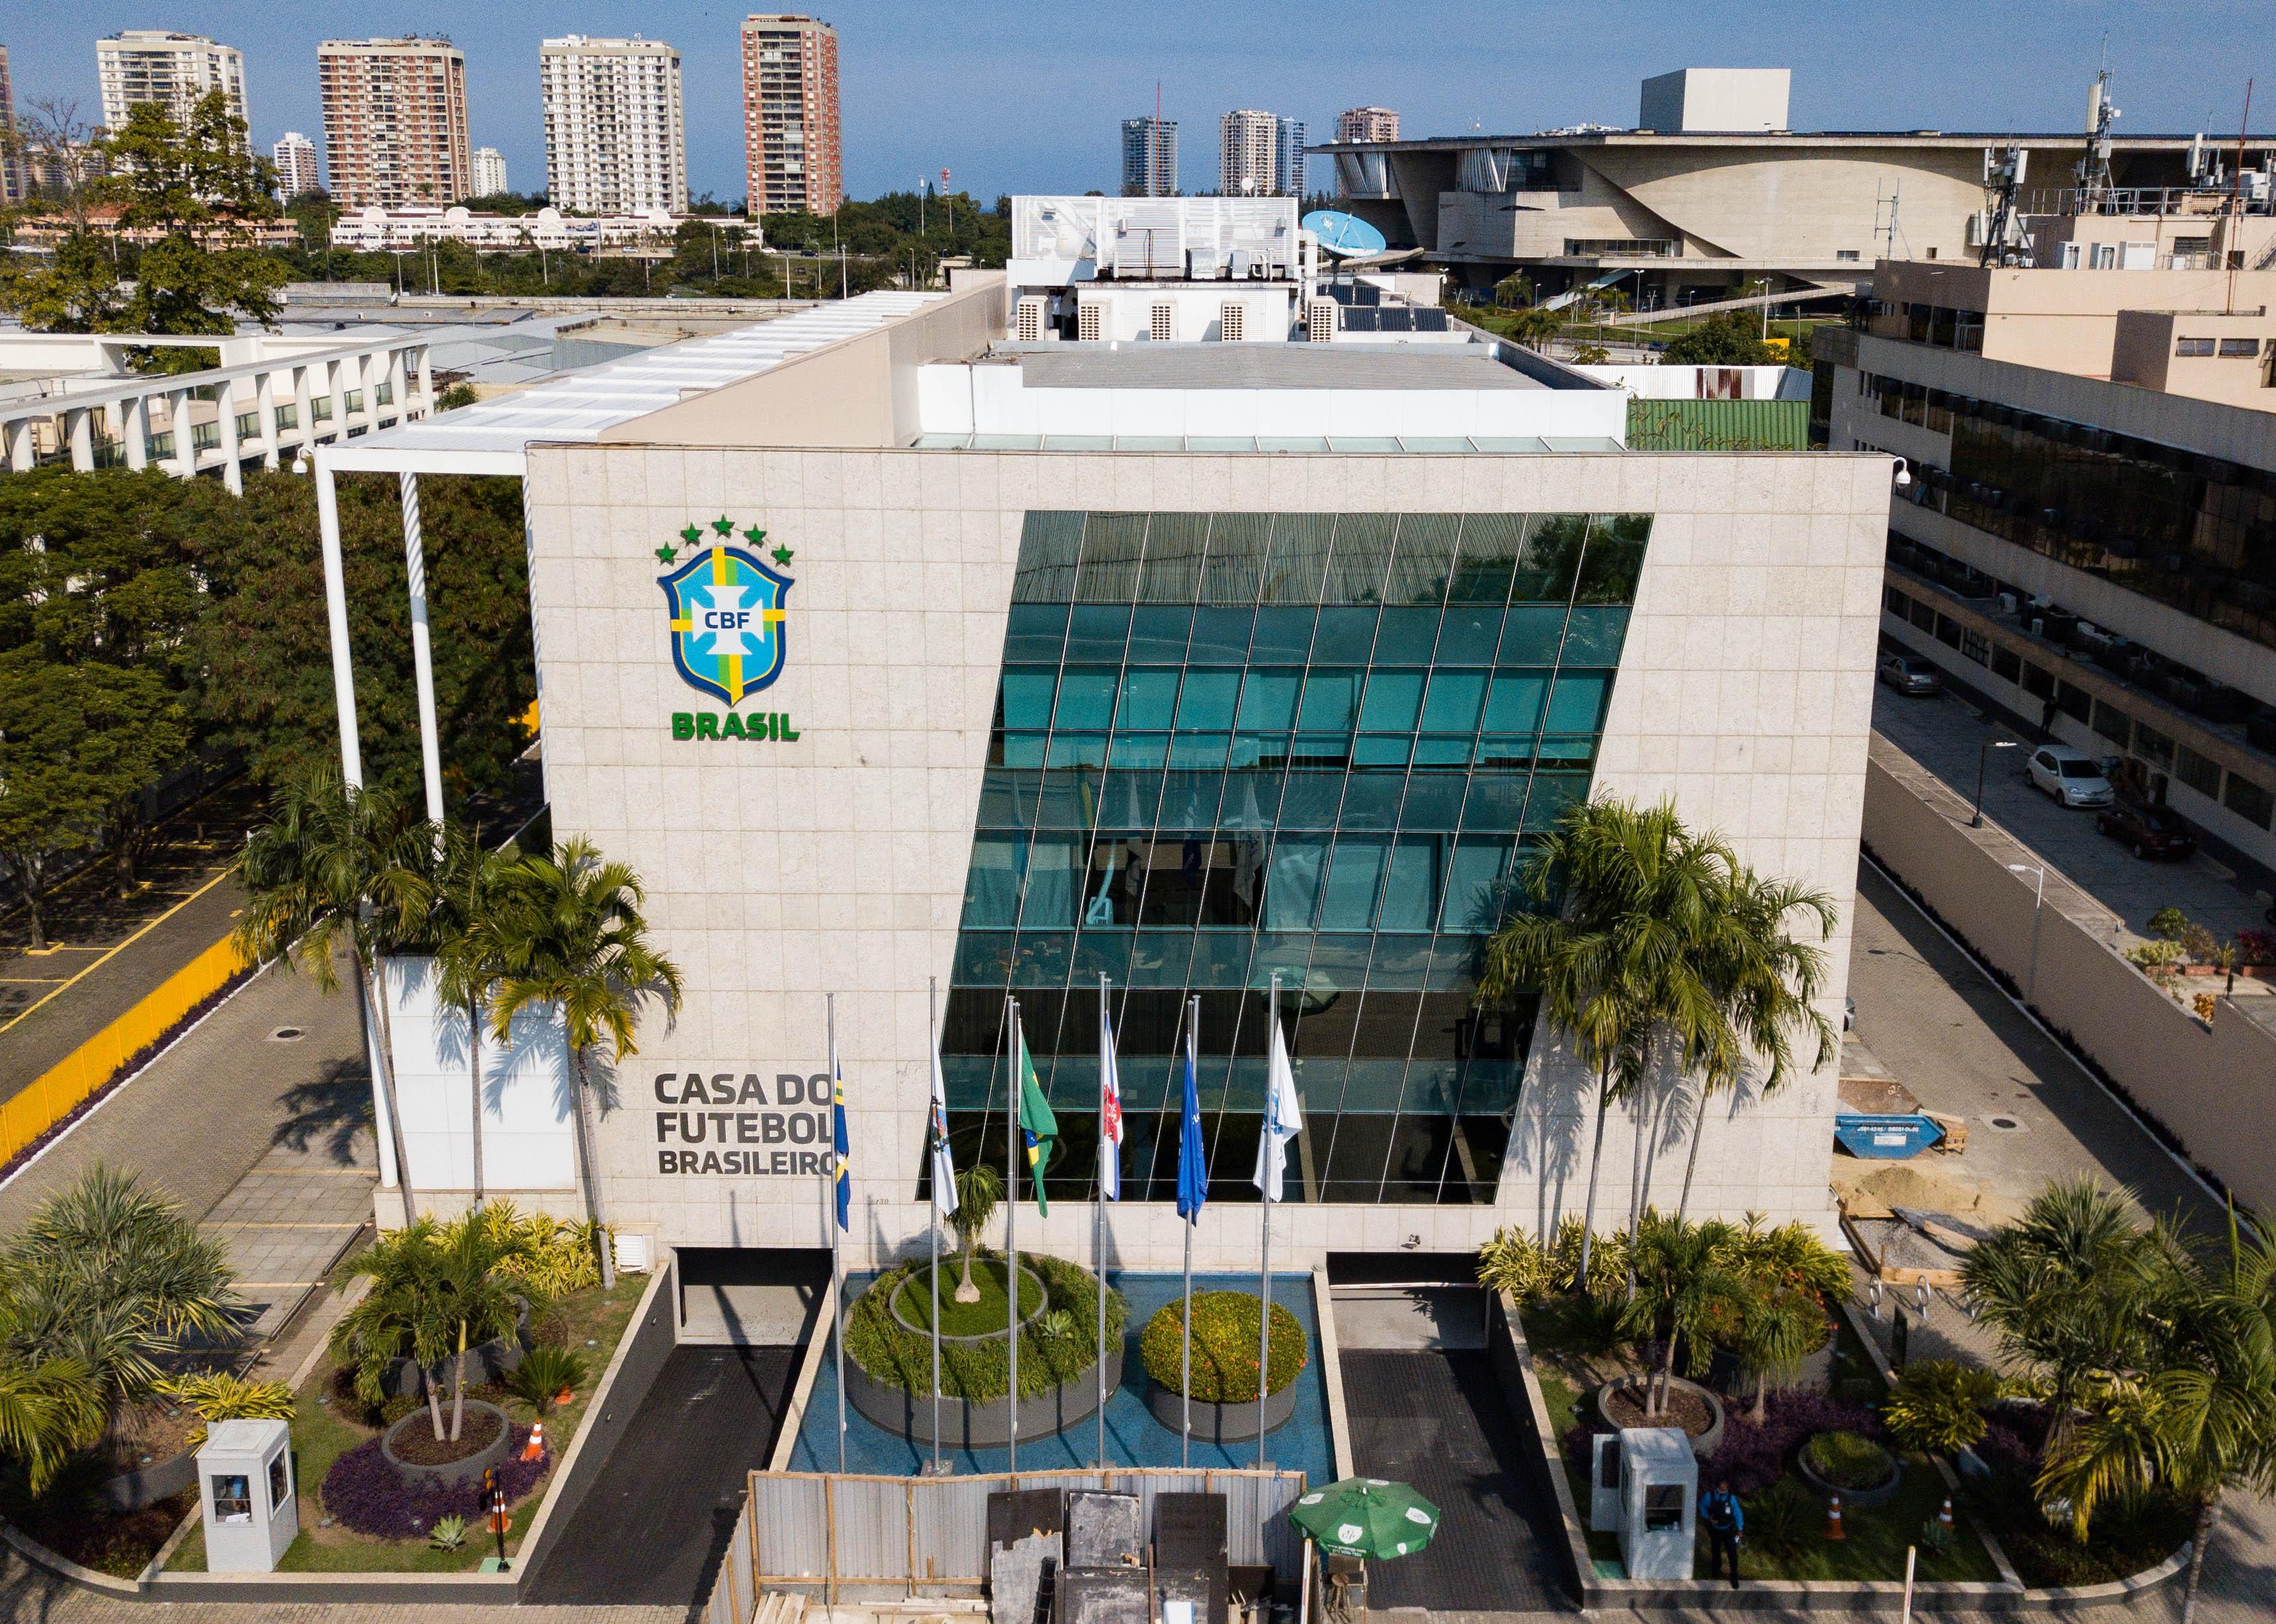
(1028,324)
(1162,323)
(1229,317)
(1320,320)
(1086,322)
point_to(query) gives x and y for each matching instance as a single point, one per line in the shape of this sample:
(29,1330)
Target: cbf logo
(728,615)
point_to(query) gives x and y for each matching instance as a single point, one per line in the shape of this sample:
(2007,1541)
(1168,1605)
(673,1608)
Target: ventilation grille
(1088,323)
(1030,320)
(1229,318)
(1164,325)
(1320,320)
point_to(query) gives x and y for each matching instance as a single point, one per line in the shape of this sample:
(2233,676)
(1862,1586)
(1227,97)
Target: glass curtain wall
(1235,744)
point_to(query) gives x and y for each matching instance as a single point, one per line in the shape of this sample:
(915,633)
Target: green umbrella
(1366,1516)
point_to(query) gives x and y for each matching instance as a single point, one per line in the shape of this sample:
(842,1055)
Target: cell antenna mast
(2094,165)
(2003,182)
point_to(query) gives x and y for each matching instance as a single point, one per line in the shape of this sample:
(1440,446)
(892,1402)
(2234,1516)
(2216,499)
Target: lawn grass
(1876,1539)
(913,1298)
(320,1437)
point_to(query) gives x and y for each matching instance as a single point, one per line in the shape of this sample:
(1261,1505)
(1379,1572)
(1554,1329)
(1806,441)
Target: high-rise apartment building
(1260,155)
(1150,157)
(490,172)
(13,187)
(790,114)
(616,140)
(296,164)
(395,121)
(1367,124)
(176,71)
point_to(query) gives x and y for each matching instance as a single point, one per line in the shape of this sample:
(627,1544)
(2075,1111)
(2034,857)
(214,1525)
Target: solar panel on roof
(1341,291)
(1363,320)
(1431,322)
(1368,293)
(1397,320)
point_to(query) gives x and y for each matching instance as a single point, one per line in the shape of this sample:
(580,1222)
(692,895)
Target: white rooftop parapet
(1057,240)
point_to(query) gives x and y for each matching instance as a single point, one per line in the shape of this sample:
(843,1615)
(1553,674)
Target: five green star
(782,555)
(754,536)
(724,524)
(666,553)
(691,535)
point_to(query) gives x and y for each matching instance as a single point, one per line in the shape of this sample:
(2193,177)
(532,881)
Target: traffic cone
(535,1450)
(1944,1517)
(1833,1518)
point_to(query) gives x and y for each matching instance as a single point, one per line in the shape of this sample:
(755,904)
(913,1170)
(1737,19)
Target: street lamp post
(2038,902)
(1982,758)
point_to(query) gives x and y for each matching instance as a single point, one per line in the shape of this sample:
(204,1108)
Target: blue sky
(1022,96)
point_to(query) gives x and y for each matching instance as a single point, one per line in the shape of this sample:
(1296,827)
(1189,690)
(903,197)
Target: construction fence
(57,1092)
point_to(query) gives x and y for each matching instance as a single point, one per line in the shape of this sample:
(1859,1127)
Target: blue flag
(842,1146)
(1193,1175)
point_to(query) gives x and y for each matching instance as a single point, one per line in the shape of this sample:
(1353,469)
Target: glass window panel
(1331,699)
(1027,698)
(1238,547)
(1495,802)
(1454,963)
(1614,558)
(1514,704)
(1353,1171)
(1371,799)
(1174,546)
(1344,635)
(1252,799)
(1552,793)
(1022,750)
(1268,700)
(1431,1087)
(1363,558)
(1150,701)
(1222,634)
(1086,700)
(1411,888)
(982,956)
(1207,700)
(1160,958)
(1199,752)
(1049,885)
(1130,797)
(1112,543)
(1434,800)
(1189,800)
(1070,798)
(1416,1159)
(1220,959)
(1551,559)
(1299,559)
(1570,755)
(1311,799)
(1139,750)
(1007,799)
(1382,750)
(1452,706)
(1399,962)
(1443,752)
(1157,636)
(1287,953)
(1096,634)
(1531,634)
(1473,883)
(1468,635)
(1050,543)
(1040,959)
(967,1077)
(1116,880)
(1486,1138)
(1292,889)
(1394,698)
(1407,636)
(1491,543)
(1507,753)
(1576,705)
(1280,634)
(1423,559)
(1594,635)
(991,887)
(1036,631)
(1101,952)
(1337,968)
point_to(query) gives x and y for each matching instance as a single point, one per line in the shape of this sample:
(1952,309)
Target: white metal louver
(1320,320)
(1162,327)
(1087,323)
(1229,321)
(1029,320)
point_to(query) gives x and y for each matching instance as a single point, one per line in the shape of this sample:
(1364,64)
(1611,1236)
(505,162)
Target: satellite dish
(1343,234)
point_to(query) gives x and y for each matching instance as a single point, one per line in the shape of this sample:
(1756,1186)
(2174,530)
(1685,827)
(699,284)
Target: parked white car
(2072,777)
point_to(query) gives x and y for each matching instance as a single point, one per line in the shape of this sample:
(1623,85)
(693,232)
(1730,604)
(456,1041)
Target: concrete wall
(2212,1086)
(2146,356)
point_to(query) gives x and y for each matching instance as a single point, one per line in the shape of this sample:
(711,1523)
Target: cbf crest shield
(727,622)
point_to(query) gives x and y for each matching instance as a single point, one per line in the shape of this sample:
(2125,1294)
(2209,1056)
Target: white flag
(944,1165)
(1284,1120)
(1109,1114)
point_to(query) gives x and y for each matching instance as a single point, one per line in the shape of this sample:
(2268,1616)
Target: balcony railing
(1619,247)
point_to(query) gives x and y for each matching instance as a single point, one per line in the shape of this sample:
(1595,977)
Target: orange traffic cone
(535,1450)
(1833,1518)
(1944,1517)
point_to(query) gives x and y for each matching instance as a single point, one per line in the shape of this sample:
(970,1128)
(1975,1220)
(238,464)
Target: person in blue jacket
(1726,1521)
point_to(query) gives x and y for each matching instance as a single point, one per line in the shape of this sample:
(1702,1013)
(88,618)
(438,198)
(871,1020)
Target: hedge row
(889,1352)
(1225,1347)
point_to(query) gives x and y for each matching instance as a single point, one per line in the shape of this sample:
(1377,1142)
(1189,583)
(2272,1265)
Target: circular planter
(468,1470)
(148,1485)
(1729,1375)
(1042,1307)
(489,1362)
(965,1424)
(1702,1444)
(1221,1424)
(1854,1499)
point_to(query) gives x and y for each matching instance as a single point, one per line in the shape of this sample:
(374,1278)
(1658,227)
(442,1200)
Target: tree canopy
(1728,339)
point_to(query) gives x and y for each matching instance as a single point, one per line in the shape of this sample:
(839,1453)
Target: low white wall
(527,1142)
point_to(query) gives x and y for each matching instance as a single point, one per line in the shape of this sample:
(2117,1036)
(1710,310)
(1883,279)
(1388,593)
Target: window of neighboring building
(2105,256)
(2192,346)
(2007,662)
(2242,348)
(2112,724)
(2194,770)
(2153,747)
(2074,702)
(1848,256)
(2038,682)
(1948,630)
(2070,255)
(2249,800)
(1895,602)
(1976,647)
(1924,616)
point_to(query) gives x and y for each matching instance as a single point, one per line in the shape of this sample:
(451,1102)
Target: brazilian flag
(1038,1127)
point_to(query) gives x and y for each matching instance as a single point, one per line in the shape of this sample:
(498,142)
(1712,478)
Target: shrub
(1515,1262)
(2167,924)
(448,1533)
(1938,1406)
(889,1352)
(2256,947)
(1848,1461)
(2156,956)
(369,1495)
(1225,1347)
(1754,1457)
(544,1373)
(1782,1519)
(551,1256)
(218,1396)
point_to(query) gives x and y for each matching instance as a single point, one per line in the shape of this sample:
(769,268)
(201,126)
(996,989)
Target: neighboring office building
(1260,155)
(1288,158)
(175,70)
(295,155)
(489,172)
(616,138)
(14,184)
(1170,734)
(371,229)
(1367,124)
(2068,541)
(1697,215)
(395,121)
(1715,100)
(1150,157)
(790,140)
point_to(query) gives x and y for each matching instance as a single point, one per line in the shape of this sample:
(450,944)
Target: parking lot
(1945,732)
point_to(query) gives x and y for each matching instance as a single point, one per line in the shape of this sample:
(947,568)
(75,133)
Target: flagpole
(1265,1204)
(1098,1218)
(1011,1229)
(932,1058)
(837,1268)
(1186,1330)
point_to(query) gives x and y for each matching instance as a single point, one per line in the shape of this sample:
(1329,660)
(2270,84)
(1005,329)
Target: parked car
(2150,832)
(2072,777)
(1908,673)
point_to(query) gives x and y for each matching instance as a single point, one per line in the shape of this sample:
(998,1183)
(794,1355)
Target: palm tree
(978,1189)
(1766,985)
(1683,1279)
(406,1315)
(50,1408)
(338,866)
(481,1299)
(475,892)
(581,944)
